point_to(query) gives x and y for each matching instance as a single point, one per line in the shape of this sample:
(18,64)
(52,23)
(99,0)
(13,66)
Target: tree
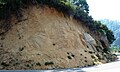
(82,4)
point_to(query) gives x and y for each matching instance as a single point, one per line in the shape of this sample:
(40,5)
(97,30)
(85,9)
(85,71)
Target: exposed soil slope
(46,39)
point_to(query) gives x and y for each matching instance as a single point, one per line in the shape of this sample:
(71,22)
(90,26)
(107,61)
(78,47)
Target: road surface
(109,67)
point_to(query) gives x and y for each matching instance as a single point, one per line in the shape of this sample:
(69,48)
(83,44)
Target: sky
(104,9)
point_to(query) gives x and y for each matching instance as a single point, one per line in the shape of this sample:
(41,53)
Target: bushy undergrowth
(102,28)
(115,49)
(79,9)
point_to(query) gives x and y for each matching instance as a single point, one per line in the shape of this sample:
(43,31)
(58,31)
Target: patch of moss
(4,64)
(38,64)
(49,63)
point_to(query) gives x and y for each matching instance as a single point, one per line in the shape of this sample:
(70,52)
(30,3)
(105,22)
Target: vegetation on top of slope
(115,49)
(113,25)
(103,29)
(79,9)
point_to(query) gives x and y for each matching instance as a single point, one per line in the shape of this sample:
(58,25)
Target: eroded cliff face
(46,39)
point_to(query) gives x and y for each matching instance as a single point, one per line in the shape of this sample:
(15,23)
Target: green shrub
(104,31)
(49,63)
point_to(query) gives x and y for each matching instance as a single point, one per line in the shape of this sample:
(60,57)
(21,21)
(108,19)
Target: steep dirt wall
(46,39)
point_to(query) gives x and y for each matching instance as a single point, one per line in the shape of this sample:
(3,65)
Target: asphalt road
(109,67)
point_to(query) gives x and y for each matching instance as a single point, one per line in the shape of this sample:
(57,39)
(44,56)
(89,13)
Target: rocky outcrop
(46,39)
(89,39)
